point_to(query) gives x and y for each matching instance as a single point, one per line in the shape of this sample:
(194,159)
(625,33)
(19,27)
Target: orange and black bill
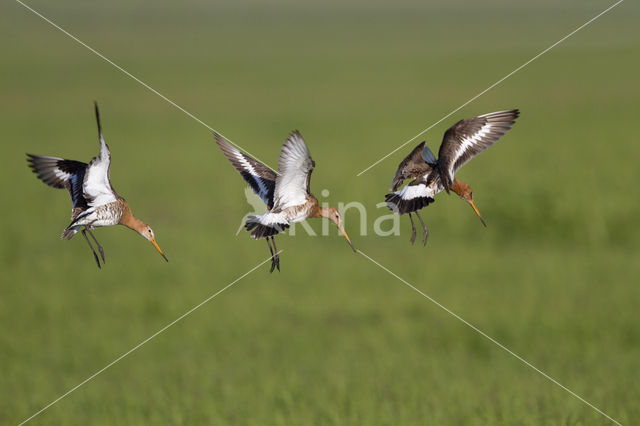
(475,209)
(347,237)
(153,241)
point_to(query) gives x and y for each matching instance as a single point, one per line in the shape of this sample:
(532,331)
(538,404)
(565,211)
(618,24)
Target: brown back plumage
(412,166)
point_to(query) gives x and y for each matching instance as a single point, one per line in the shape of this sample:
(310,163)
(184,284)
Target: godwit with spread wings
(95,203)
(285,193)
(463,141)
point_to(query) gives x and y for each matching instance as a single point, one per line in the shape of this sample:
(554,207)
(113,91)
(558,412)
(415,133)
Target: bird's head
(464,191)
(334,216)
(146,231)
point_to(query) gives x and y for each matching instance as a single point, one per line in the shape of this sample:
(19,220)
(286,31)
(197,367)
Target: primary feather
(468,138)
(60,173)
(259,177)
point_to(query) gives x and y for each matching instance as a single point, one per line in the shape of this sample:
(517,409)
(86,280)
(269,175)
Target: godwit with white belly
(95,203)
(285,193)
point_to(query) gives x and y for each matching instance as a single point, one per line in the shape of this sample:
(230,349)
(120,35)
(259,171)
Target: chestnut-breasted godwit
(463,141)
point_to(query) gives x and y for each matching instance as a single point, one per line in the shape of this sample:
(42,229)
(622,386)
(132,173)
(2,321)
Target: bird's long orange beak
(153,241)
(347,237)
(475,209)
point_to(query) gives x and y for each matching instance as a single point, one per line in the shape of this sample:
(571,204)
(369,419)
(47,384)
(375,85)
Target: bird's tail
(69,232)
(397,204)
(259,230)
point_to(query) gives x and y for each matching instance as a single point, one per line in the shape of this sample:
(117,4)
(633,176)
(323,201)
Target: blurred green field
(332,339)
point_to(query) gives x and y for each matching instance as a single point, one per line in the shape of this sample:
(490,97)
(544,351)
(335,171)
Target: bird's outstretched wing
(294,172)
(60,173)
(97,181)
(259,177)
(417,164)
(468,138)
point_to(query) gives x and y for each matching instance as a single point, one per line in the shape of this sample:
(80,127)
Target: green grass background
(332,339)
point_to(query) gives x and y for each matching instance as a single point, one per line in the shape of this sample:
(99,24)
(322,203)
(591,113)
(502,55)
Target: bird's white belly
(298,213)
(104,222)
(298,217)
(106,215)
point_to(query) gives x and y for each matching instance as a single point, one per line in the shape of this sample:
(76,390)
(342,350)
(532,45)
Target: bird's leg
(413,230)
(97,244)
(95,255)
(273,259)
(277,255)
(425,232)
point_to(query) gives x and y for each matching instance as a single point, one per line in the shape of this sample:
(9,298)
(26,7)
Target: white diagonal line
(492,86)
(145,341)
(491,339)
(128,74)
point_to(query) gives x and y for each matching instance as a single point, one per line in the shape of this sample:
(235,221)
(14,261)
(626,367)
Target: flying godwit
(285,193)
(95,203)
(463,141)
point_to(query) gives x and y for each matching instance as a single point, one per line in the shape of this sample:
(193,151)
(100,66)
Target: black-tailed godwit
(285,193)
(95,203)
(463,141)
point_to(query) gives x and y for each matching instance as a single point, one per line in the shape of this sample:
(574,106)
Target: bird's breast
(107,215)
(299,213)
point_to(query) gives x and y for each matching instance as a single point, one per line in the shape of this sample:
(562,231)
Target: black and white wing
(294,172)
(97,181)
(418,163)
(60,173)
(259,177)
(468,138)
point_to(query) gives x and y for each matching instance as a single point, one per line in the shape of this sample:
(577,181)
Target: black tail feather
(262,231)
(398,205)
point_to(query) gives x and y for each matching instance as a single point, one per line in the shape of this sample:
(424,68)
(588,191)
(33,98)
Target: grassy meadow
(332,338)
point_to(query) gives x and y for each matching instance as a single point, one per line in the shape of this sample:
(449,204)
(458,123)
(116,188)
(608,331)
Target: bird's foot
(95,256)
(275,263)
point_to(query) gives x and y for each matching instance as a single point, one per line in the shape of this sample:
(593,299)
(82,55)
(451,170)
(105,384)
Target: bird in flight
(463,141)
(285,193)
(94,201)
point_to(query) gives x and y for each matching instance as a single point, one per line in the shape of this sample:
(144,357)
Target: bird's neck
(130,221)
(319,211)
(460,188)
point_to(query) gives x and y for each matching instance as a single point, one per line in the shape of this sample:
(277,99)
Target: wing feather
(259,177)
(468,138)
(97,180)
(294,172)
(60,173)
